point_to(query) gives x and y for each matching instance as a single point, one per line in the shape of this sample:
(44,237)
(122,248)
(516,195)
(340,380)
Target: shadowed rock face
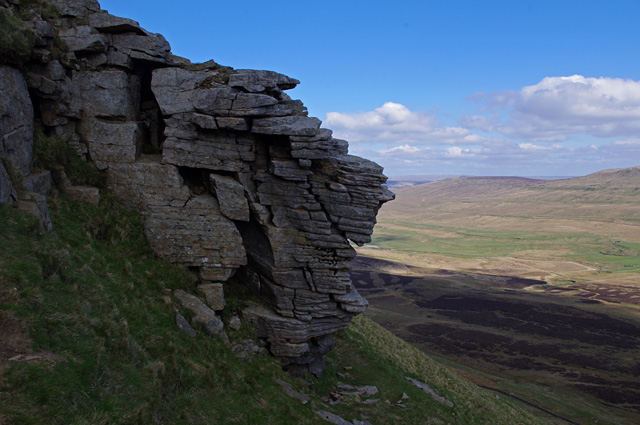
(229,173)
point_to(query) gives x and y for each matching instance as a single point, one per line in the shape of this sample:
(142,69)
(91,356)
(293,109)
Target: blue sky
(528,88)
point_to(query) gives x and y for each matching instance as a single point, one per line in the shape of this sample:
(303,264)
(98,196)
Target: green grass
(94,293)
(16,39)
(476,242)
(54,154)
(591,249)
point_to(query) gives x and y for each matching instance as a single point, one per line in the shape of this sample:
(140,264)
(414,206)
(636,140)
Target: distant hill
(399,182)
(609,195)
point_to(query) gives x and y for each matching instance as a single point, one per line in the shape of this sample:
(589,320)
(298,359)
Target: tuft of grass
(54,154)
(16,39)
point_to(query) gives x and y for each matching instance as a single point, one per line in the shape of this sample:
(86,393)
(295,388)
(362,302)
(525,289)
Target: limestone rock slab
(290,126)
(230,194)
(112,142)
(195,235)
(202,314)
(213,294)
(83,39)
(260,81)
(105,22)
(106,94)
(39,182)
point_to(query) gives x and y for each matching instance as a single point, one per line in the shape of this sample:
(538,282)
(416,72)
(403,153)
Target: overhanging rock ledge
(230,174)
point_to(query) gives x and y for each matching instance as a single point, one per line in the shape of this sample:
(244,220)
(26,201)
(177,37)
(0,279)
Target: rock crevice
(230,174)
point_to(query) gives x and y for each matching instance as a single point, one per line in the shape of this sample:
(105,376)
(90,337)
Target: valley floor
(570,347)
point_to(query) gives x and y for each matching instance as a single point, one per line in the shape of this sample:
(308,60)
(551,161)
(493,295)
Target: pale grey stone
(39,182)
(292,126)
(213,295)
(260,81)
(234,322)
(149,47)
(105,22)
(331,417)
(202,315)
(196,234)
(83,39)
(427,389)
(230,194)
(183,325)
(112,142)
(110,94)
(232,123)
(36,204)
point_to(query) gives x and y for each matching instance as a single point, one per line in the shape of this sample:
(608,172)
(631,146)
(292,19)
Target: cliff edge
(231,175)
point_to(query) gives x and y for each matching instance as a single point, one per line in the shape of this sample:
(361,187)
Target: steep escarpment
(231,175)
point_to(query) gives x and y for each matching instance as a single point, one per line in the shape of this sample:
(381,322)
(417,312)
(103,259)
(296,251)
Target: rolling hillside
(520,282)
(577,227)
(610,195)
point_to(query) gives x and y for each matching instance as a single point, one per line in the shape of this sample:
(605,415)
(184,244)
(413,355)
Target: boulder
(39,182)
(213,294)
(230,194)
(36,205)
(202,315)
(183,325)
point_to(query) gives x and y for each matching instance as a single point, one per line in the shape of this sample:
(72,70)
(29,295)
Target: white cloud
(403,148)
(593,123)
(559,106)
(393,124)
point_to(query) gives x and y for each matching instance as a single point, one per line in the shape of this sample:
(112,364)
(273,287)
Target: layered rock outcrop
(230,174)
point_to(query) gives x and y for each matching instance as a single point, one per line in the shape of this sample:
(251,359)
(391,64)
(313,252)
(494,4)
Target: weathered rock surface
(36,205)
(229,173)
(213,294)
(202,315)
(39,182)
(16,119)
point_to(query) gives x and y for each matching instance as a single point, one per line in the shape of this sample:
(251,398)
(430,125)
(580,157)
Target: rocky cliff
(231,175)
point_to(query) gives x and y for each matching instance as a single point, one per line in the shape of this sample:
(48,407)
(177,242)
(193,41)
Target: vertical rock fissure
(149,109)
(229,173)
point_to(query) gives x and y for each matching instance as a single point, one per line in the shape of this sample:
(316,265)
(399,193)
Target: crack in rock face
(229,173)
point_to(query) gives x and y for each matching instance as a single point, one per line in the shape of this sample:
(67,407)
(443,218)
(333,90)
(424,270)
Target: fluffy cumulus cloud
(393,123)
(557,107)
(559,126)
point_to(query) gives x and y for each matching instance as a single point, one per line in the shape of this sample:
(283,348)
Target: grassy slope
(91,300)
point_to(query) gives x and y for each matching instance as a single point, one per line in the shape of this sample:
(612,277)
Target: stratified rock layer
(230,174)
